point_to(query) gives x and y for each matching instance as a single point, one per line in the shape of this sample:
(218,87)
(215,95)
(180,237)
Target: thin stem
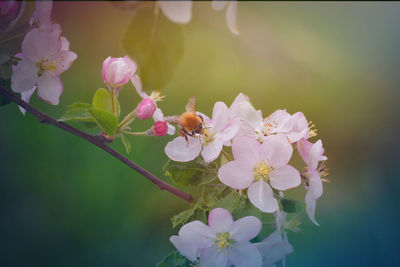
(18,35)
(134,133)
(128,119)
(114,102)
(98,141)
(226,155)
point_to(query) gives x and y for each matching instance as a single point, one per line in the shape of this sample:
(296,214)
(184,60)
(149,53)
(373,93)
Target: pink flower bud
(146,109)
(117,71)
(160,128)
(9,11)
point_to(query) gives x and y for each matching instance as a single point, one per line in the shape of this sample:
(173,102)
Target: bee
(189,122)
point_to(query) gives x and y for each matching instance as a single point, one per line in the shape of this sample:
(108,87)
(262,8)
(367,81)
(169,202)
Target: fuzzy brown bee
(189,122)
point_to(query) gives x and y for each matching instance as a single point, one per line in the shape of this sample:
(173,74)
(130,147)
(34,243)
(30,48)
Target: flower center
(46,65)
(208,137)
(269,126)
(262,171)
(223,241)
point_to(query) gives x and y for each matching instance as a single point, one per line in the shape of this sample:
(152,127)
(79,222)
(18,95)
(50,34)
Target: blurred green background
(64,202)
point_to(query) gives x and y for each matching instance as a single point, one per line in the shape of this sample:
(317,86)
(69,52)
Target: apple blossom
(161,127)
(255,165)
(274,248)
(45,55)
(312,154)
(231,13)
(146,109)
(118,71)
(223,242)
(216,132)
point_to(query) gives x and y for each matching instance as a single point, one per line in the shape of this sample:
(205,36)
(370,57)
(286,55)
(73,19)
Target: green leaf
(126,143)
(156,44)
(175,259)
(189,173)
(228,201)
(291,205)
(5,83)
(211,193)
(78,111)
(103,100)
(107,121)
(182,218)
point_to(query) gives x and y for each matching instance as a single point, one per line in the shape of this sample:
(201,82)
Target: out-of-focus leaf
(189,173)
(107,121)
(175,259)
(211,193)
(5,83)
(78,111)
(156,44)
(103,100)
(291,205)
(182,218)
(229,201)
(126,143)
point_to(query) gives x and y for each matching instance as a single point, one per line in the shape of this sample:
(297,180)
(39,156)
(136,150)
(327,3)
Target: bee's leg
(201,118)
(183,133)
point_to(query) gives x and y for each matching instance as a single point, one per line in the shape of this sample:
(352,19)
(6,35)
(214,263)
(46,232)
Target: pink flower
(45,55)
(223,242)
(161,127)
(146,109)
(312,154)
(118,71)
(41,17)
(259,167)
(216,132)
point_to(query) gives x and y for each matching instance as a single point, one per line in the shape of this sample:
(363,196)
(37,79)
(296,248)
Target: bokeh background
(64,202)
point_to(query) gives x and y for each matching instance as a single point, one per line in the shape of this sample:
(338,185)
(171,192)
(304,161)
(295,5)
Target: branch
(98,141)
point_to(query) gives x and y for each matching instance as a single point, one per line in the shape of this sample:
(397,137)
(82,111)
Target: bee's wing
(191,105)
(173,119)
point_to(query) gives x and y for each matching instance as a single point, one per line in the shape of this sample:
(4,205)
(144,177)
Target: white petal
(229,132)
(210,257)
(26,96)
(64,60)
(177,11)
(187,249)
(274,248)
(315,184)
(245,255)
(310,206)
(276,150)
(179,150)
(39,44)
(158,115)
(220,220)
(137,83)
(198,234)
(212,150)
(24,76)
(236,174)
(285,178)
(171,129)
(231,17)
(246,149)
(220,116)
(246,228)
(261,195)
(248,113)
(64,44)
(218,5)
(50,88)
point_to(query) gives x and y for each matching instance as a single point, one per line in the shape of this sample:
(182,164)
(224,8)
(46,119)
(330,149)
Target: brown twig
(97,140)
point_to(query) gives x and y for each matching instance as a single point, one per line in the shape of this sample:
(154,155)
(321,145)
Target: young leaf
(78,111)
(175,259)
(211,193)
(182,218)
(107,121)
(156,44)
(291,205)
(189,173)
(126,143)
(103,100)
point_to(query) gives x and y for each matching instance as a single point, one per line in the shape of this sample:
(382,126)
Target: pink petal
(245,255)
(310,206)
(285,178)
(297,127)
(64,60)
(179,150)
(24,76)
(229,132)
(274,248)
(247,112)
(233,109)
(50,88)
(220,220)
(316,154)
(39,44)
(218,5)
(276,150)
(64,44)
(315,184)
(220,116)
(177,11)
(245,229)
(211,151)
(231,17)
(210,257)
(137,83)
(261,195)
(26,96)
(187,249)
(42,13)
(198,234)
(246,149)
(236,174)
(278,120)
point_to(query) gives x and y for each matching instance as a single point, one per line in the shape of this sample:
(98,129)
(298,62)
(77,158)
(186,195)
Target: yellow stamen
(262,171)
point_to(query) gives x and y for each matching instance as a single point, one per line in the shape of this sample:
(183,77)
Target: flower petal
(229,132)
(64,60)
(276,150)
(210,257)
(50,88)
(218,5)
(220,220)
(39,44)
(315,184)
(274,248)
(310,206)
(245,228)
(236,174)
(198,234)
(212,150)
(231,17)
(187,249)
(180,150)
(261,195)
(285,178)
(246,149)
(245,255)
(248,113)
(171,129)
(220,116)
(26,96)
(24,76)
(137,83)
(177,11)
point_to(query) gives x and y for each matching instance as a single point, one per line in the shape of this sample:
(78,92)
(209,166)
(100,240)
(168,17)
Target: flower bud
(146,109)
(9,13)
(160,128)
(118,71)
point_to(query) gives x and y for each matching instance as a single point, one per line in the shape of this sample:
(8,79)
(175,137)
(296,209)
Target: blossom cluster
(262,148)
